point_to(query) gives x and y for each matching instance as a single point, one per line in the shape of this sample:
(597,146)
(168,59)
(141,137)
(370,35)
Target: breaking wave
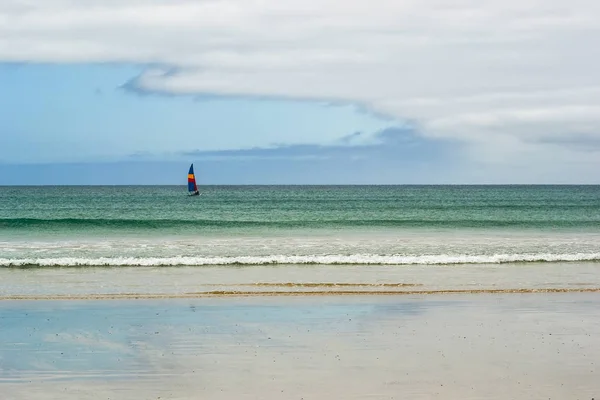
(355,259)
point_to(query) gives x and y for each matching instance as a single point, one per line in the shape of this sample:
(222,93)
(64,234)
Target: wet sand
(185,282)
(518,331)
(492,346)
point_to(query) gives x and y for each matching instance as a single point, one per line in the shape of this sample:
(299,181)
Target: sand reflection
(460,347)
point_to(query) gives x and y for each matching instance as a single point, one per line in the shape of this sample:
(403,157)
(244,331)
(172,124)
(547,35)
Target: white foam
(356,259)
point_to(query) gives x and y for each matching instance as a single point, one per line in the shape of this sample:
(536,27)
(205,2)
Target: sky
(299,92)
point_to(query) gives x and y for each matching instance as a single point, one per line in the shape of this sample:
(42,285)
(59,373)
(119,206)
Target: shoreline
(295,280)
(242,294)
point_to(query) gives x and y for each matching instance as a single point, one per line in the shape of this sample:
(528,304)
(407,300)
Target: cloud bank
(399,144)
(390,156)
(515,81)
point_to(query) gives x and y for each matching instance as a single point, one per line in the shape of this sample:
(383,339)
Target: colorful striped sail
(192,187)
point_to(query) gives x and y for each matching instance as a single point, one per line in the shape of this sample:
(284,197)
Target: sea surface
(294,225)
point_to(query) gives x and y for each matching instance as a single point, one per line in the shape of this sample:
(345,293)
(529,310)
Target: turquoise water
(156,225)
(146,208)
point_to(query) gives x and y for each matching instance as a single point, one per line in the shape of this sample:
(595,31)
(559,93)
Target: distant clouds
(588,143)
(395,144)
(392,156)
(349,138)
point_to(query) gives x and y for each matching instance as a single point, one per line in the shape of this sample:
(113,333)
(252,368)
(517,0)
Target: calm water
(161,225)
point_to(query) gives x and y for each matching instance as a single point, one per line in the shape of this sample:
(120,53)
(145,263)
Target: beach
(493,346)
(478,331)
(300,293)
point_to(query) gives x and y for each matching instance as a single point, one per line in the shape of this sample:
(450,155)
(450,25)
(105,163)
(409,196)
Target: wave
(356,259)
(116,223)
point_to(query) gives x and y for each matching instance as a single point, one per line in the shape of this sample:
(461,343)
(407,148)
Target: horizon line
(301,184)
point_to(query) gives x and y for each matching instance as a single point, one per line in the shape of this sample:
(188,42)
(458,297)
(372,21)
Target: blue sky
(82,112)
(132,92)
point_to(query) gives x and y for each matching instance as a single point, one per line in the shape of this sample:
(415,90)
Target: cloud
(391,156)
(499,75)
(399,144)
(351,137)
(587,143)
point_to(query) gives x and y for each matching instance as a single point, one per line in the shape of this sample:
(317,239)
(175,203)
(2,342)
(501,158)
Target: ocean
(294,225)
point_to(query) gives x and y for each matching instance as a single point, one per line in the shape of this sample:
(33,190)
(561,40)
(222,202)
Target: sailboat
(192,187)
